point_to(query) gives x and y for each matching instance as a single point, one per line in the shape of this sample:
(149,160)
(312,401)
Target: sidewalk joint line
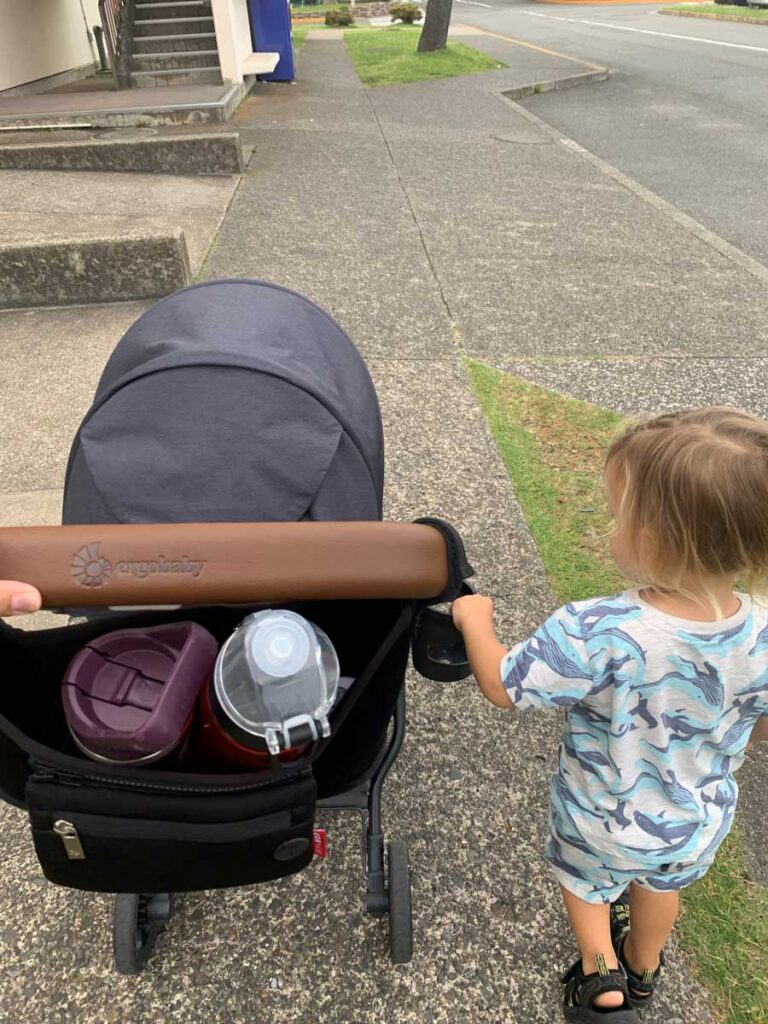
(683,220)
(404,190)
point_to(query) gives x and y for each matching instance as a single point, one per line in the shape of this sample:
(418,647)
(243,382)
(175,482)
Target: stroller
(235,423)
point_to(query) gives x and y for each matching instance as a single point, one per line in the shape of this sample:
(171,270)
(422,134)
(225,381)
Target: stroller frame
(139,918)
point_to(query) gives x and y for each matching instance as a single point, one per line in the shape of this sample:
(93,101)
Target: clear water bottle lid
(277,668)
(280,648)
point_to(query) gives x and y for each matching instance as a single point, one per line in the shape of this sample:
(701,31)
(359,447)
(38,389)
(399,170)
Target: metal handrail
(117,22)
(107,10)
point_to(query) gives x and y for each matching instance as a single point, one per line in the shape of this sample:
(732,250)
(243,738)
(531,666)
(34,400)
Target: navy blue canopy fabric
(231,401)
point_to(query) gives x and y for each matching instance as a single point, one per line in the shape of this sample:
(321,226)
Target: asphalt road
(686,113)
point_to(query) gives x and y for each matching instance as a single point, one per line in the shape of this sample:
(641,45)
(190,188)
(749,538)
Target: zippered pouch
(98,833)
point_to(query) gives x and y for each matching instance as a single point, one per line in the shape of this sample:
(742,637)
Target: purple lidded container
(129,696)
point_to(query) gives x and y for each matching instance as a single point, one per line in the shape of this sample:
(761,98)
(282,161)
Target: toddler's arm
(473,615)
(549,670)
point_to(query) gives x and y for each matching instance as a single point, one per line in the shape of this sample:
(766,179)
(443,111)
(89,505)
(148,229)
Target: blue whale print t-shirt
(658,710)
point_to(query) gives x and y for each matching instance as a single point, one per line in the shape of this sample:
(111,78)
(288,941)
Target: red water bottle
(272,689)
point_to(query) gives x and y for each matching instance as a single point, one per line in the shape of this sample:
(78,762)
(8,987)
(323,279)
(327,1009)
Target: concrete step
(173,9)
(186,103)
(176,76)
(185,154)
(178,60)
(183,42)
(144,28)
(61,266)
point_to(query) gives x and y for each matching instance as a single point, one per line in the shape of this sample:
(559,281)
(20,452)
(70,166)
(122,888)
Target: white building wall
(242,26)
(233,37)
(40,38)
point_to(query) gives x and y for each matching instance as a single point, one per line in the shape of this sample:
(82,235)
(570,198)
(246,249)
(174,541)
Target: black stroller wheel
(400,913)
(138,920)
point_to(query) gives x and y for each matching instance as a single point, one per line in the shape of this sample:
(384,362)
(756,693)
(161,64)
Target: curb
(84,271)
(556,84)
(745,20)
(693,227)
(136,117)
(218,153)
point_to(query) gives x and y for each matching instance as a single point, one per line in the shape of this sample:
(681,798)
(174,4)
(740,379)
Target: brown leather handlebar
(224,563)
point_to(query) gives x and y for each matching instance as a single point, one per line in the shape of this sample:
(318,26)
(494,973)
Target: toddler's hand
(472,608)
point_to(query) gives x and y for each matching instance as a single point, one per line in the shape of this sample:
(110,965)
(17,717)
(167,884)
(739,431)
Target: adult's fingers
(18,598)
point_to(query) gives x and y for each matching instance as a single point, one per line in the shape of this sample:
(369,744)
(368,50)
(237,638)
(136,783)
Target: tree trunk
(435,32)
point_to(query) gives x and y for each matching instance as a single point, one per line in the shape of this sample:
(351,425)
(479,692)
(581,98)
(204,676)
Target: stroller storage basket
(121,828)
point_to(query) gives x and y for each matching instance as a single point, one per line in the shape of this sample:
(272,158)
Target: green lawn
(723,11)
(388,57)
(311,10)
(553,448)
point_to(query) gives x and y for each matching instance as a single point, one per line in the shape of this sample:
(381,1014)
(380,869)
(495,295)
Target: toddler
(662,685)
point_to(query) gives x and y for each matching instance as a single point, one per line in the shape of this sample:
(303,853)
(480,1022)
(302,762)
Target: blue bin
(271,33)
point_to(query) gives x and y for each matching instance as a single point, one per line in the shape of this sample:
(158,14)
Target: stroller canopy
(231,401)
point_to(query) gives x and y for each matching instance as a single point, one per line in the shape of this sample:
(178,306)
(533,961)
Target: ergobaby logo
(91,569)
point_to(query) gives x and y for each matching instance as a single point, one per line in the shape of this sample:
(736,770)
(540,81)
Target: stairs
(174,43)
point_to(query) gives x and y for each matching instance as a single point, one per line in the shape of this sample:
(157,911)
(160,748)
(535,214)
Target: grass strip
(389,57)
(722,12)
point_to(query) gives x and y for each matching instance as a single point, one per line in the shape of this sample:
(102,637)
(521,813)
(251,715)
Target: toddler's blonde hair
(696,484)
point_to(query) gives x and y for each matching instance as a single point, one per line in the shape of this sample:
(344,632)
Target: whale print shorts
(597,877)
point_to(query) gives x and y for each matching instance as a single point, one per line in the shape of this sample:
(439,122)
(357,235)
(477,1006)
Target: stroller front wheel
(400,911)
(138,920)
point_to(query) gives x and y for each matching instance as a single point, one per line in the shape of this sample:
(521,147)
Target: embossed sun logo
(89,568)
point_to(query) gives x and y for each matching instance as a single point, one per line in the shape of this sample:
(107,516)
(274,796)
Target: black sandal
(620,918)
(581,990)
(640,986)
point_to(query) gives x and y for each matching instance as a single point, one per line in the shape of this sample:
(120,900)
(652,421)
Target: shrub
(340,16)
(407,13)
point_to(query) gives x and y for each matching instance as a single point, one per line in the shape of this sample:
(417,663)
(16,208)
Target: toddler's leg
(652,916)
(591,926)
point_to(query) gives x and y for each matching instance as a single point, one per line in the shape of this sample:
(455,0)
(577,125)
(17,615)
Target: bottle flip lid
(277,671)
(128,696)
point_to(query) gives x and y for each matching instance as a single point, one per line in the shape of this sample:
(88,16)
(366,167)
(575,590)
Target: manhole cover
(129,133)
(521,139)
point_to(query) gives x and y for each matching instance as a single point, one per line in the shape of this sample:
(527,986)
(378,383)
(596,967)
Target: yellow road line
(541,49)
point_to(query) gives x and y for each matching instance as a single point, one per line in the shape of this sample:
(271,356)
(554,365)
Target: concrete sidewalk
(434,221)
